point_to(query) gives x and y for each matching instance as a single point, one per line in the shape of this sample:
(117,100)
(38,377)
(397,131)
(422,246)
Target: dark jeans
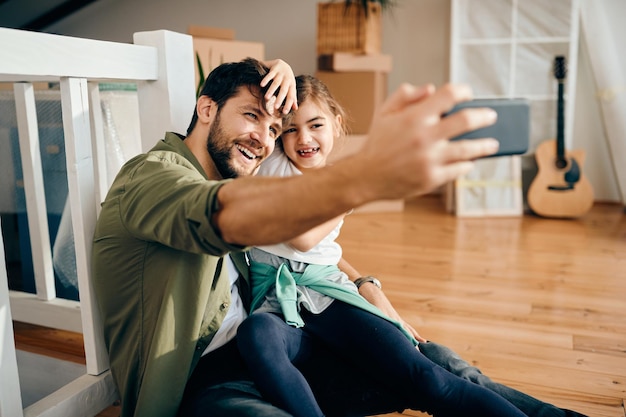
(451,361)
(272,349)
(221,387)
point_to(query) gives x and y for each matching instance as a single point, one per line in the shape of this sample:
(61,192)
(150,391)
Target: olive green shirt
(159,275)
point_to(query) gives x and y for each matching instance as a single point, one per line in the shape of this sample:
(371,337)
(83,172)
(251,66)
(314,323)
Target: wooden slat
(98,144)
(26,113)
(58,312)
(10,394)
(174,91)
(32,56)
(81,187)
(84,396)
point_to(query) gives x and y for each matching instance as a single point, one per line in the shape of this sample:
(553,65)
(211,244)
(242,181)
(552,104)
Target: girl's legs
(372,342)
(270,348)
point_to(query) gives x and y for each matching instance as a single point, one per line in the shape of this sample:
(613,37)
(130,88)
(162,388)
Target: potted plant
(364,4)
(353,26)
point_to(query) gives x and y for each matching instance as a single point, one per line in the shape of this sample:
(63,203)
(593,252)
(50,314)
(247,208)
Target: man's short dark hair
(225,81)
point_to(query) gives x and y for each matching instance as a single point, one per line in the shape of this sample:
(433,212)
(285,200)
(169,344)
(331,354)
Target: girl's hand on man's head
(282,80)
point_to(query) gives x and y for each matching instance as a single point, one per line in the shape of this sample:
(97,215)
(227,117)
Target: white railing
(161,64)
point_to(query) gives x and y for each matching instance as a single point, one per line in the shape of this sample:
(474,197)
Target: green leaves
(200,75)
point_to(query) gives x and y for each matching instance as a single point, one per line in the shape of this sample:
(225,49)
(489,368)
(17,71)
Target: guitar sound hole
(561,187)
(561,163)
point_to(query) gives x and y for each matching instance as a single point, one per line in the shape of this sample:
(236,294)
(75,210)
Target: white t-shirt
(234,316)
(328,251)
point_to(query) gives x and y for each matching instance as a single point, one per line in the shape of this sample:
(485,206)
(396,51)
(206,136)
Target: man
(170,273)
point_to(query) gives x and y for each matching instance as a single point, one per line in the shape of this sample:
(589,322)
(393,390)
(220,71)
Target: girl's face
(308,140)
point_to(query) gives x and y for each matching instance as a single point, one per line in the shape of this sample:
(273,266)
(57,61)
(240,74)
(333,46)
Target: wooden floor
(538,304)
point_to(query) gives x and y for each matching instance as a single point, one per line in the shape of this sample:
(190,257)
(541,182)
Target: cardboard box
(341,29)
(213,52)
(492,189)
(211,33)
(359,92)
(344,61)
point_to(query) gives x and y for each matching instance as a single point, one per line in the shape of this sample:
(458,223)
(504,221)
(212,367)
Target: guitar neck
(559,73)
(560,124)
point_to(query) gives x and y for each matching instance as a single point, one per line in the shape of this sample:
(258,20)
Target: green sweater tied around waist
(264,276)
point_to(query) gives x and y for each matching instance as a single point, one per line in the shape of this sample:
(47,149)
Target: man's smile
(247,152)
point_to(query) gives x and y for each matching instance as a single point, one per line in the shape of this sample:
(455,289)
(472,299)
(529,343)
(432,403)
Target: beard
(220,149)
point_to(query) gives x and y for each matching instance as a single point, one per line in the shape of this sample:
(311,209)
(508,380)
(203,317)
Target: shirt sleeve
(165,199)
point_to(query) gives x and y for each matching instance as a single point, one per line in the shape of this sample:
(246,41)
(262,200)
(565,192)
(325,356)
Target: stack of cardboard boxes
(350,61)
(351,64)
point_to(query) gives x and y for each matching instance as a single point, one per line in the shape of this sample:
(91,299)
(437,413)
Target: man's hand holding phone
(512,129)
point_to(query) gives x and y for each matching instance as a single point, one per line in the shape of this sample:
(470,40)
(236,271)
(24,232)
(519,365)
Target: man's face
(242,135)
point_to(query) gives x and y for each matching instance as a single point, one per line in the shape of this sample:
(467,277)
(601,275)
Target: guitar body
(550,195)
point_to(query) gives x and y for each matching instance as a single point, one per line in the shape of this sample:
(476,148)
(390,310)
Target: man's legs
(220,386)
(234,399)
(451,361)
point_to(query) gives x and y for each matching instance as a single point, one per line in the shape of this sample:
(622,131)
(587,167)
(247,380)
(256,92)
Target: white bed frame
(161,63)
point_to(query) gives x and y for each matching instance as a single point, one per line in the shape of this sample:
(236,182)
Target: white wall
(415,33)
(589,133)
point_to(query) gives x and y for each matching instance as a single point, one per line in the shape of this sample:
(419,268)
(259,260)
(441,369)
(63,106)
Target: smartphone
(512,129)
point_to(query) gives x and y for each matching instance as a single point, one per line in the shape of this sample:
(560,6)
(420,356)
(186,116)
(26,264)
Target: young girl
(301,298)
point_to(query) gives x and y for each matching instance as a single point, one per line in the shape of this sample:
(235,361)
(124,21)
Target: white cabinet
(506,49)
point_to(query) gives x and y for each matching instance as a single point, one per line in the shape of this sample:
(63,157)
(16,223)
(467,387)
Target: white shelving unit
(506,49)
(160,63)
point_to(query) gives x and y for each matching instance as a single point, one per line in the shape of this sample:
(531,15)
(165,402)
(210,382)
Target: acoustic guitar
(560,190)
